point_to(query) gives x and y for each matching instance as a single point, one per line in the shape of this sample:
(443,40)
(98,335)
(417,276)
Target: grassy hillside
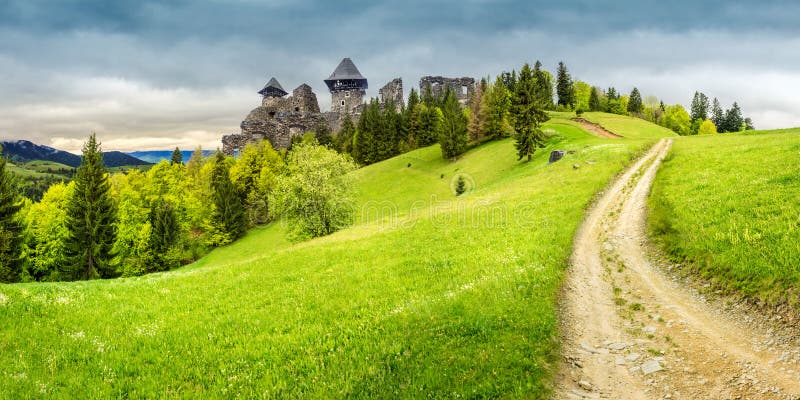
(728,204)
(628,127)
(35,177)
(428,295)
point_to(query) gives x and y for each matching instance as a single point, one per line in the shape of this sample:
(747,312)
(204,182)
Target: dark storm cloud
(187,71)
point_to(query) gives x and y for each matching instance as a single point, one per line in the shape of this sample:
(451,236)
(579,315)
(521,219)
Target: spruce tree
(322,132)
(544,87)
(477,116)
(699,109)
(594,100)
(564,87)
(10,227)
(497,106)
(177,157)
(429,120)
(411,119)
(344,139)
(363,142)
(733,119)
(228,219)
(453,128)
(164,233)
(718,116)
(635,105)
(91,218)
(527,115)
(461,185)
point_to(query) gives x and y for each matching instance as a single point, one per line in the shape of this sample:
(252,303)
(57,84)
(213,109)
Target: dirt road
(632,332)
(597,129)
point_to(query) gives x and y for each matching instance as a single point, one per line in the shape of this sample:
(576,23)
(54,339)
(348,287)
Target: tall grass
(728,206)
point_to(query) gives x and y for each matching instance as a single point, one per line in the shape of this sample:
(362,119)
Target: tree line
(510,105)
(103,225)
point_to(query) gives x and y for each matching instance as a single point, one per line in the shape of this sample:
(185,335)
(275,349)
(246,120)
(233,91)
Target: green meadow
(427,295)
(727,206)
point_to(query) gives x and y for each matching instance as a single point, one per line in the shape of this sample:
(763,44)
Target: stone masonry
(463,87)
(392,91)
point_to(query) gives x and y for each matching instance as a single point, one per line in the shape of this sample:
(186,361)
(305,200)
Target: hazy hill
(22,151)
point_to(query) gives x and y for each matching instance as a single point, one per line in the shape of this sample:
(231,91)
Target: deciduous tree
(315,193)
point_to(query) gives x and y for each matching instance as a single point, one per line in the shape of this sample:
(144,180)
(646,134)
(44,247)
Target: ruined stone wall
(279,128)
(463,87)
(392,91)
(304,100)
(347,100)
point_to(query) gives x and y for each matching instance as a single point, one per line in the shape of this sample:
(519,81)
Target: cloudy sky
(154,75)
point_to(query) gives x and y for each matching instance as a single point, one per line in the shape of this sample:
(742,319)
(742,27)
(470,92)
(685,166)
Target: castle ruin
(463,87)
(281,116)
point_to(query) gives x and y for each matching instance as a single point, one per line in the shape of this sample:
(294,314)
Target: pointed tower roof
(346,76)
(273,88)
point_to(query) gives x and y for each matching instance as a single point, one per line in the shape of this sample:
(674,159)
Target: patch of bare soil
(631,332)
(597,129)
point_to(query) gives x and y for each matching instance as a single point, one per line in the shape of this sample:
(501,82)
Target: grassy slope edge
(727,208)
(428,295)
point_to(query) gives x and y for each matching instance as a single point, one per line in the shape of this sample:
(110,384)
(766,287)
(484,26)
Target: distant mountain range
(155,156)
(25,151)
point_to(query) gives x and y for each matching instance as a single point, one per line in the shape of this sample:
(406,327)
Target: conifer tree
(509,80)
(228,221)
(527,115)
(364,140)
(391,130)
(411,119)
(477,116)
(164,233)
(699,109)
(594,100)
(177,157)
(497,106)
(718,116)
(564,87)
(429,120)
(10,227)
(344,139)
(91,218)
(453,128)
(322,132)
(733,119)
(635,105)
(461,185)
(748,124)
(544,87)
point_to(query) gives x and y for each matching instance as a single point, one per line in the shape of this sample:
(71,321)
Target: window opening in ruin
(272,114)
(463,90)
(235,153)
(346,94)
(342,102)
(297,108)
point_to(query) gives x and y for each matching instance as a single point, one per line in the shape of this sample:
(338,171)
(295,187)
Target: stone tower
(348,88)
